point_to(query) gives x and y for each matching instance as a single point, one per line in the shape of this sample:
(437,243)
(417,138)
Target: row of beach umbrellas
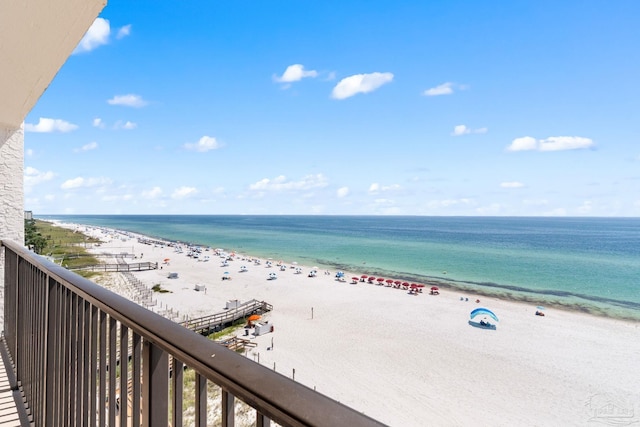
(390,282)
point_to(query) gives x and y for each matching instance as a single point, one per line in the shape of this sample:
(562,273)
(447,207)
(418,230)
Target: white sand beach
(413,360)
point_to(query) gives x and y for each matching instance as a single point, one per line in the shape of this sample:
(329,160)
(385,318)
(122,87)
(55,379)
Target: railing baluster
(86,361)
(124,367)
(156,385)
(177,380)
(67,354)
(52,356)
(137,378)
(262,420)
(93,368)
(103,369)
(228,409)
(59,385)
(201,401)
(113,366)
(73,322)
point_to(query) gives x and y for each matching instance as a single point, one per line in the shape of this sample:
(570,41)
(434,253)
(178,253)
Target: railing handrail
(278,397)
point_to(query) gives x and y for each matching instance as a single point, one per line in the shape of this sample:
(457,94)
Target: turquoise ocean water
(587,264)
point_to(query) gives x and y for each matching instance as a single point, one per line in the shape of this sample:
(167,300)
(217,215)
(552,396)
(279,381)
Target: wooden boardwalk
(121,267)
(211,323)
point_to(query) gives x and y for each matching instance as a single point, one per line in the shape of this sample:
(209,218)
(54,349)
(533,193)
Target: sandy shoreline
(413,360)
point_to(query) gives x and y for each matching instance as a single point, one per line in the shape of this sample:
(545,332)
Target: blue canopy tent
(483,324)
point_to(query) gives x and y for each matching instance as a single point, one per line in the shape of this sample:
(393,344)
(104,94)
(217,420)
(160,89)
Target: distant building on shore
(28,215)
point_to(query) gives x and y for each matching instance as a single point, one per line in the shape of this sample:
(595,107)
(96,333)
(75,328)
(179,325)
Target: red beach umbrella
(435,288)
(389,281)
(397,282)
(405,284)
(355,279)
(380,279)
(364,276)
(371,278)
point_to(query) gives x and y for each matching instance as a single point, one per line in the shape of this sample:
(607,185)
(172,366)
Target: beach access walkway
(118,268)
(213,322)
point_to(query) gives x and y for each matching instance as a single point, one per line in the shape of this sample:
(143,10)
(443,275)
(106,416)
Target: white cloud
(129,100)
(206,143)
(96,35)
(511,184)
(281,183)
(360,83)
(559,143)
(553,143)
(184,192)
(294,73)
(98,123)
(87,147)
(46,125)
(84,182)
(464,130)
(124,125)
(523,144)
(154,193)
(443,89)
(72,183)
(376,188)
(342,192)
(124,31)
(33,176)
(28,152)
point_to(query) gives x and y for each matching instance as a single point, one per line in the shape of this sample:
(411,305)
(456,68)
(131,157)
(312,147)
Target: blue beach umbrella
(484,311)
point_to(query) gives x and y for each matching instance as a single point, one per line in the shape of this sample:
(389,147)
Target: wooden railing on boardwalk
(100,255)
(121,267)
(207,324)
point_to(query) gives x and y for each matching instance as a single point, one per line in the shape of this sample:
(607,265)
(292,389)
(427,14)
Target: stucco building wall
(11,195)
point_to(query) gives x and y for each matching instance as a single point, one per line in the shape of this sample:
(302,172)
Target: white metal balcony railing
(65,336)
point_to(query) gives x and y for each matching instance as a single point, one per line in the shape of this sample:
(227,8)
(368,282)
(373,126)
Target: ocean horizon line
(560,217)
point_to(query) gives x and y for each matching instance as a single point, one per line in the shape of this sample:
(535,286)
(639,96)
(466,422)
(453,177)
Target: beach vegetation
(88,274)
(230,330)
(66,247)
(158,288)
(33,238)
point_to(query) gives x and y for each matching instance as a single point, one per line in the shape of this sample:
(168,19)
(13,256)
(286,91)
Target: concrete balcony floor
(12,413)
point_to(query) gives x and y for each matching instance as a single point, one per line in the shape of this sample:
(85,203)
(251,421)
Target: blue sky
(344,107)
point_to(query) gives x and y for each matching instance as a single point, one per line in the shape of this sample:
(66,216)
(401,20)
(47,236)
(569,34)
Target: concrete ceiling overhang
(36,38)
